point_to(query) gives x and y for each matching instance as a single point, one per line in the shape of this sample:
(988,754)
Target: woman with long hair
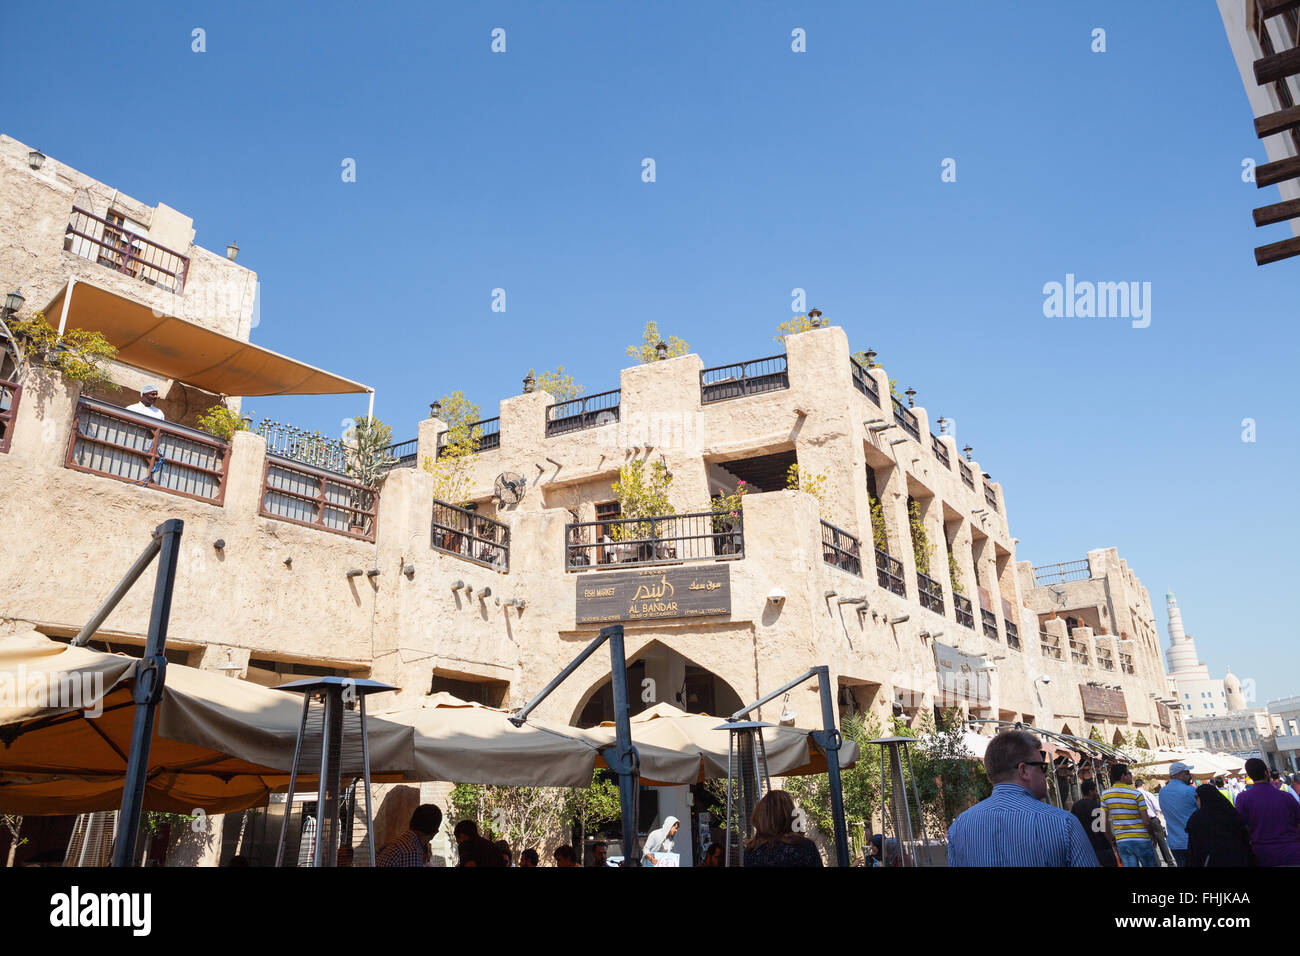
(774,842)
(1216,834)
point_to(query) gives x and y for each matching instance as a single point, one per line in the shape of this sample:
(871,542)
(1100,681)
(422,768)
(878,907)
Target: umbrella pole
(150,676)
(365,767)
(829,741)
(293,780)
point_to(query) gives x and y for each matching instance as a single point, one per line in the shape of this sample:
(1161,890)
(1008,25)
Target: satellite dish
(509,488)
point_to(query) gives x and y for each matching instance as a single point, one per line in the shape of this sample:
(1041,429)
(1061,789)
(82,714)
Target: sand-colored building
(290,567)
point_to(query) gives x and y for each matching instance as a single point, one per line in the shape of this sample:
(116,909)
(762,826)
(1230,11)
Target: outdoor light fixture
(409,570)
(943,425)
(1042,679)
(787,715)
(355,573)
(457,584)
(232,251)
(968,449)
(529,383)
(776,596)
(230,668)
(13,302)
(911,397)
(435,409)
(36,159)
(372,573)
(870,356)
(815,317)
(219,544)
(661,350)
(900,618)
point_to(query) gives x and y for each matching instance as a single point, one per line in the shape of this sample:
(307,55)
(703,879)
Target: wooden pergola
(1276,67)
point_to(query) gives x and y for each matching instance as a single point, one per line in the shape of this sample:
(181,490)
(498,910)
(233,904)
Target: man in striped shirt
(1014,827)
(1128,825)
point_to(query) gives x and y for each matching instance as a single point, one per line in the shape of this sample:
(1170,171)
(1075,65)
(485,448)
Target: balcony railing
(302,494)
(109,244)
(1050,644)
(110,441)
(744,378)
(670,539)
(485,432)
(990,496)
(1126,663)
(889,573)
(990,622)
(1013,634)
(10,392)
(864,381)
(905,418)
(967,477)
(940,451)
(590,411)
(841,549)
(308,448)
(471,536)
(1059,573)
(402,454)
(965,611)
(1078,652)
(931,592)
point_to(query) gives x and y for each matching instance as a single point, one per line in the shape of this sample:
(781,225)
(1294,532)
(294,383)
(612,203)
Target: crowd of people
(1177,824)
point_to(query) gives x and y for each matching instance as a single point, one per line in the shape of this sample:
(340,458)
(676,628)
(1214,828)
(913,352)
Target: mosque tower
(1181,655)
(1233,693)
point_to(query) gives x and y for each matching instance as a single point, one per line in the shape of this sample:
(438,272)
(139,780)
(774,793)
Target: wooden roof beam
(1275,251)
(1270,174)
(1271,8)
(1278,122)
(1277,212)
(1279,66)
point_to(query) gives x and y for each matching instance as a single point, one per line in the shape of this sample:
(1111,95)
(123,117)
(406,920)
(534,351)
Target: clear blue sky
(775,170)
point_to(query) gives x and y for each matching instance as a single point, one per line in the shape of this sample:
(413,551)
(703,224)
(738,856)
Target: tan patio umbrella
(790,750)
(465,742)
(219,745)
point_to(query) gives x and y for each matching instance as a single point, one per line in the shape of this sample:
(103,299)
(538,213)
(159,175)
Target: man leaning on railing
(148,404)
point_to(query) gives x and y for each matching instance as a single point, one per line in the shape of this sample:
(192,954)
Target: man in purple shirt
(1272,819)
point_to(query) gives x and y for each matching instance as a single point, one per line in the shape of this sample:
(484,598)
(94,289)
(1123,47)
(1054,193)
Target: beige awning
(176,348)
(66,715)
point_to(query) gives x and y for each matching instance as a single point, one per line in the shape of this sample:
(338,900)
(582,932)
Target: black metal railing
(1051,645)
(10,392)
(864,381)
(744,378)
(990,496)
(469,535)
(486,433)
(589,411)
(904,417)
(965,611)
(402,454)
(841,549)
(967,477)
(1061,572)
(889,573)
(940,451)
(931,592)
(668,539)
(110,244)
(308,448)
(990,622)
(136,448)
(1013,634)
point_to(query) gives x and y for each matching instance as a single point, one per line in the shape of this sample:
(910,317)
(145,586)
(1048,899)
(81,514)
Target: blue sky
(775,170)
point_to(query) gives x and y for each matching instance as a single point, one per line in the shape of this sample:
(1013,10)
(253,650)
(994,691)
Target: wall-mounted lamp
(36,159)
(870,356)
(435,409)
(530,383)
(943,425)
(661,350)
(911,397)
(776,597)
(409,570)
(232,251)
(219,544)
(815,317)
(13,302)
(230,668)
(968,449)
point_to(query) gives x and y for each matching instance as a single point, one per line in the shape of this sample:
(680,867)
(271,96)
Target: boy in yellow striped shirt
(1128,827)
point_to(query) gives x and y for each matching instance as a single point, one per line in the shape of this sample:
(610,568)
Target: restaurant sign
(961,676)
(1163,711)
(1103,702)
(654,594)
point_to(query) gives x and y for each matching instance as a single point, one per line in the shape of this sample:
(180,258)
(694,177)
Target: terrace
(111,244)
(724,382)
(667,539)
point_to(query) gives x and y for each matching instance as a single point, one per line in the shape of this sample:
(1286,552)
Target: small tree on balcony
(800,323)
(452,466)
(221,422)
(648,351)
(366,444)
(879,535)
(922,549)
(641,493)
(80,355)
(558,384)
(861,359)
(813,484)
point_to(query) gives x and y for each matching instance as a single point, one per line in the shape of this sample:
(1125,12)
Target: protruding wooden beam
(1278,212)
(1278,122)
(1276,251)
(1270,174)
(1271,8)
(1278,66)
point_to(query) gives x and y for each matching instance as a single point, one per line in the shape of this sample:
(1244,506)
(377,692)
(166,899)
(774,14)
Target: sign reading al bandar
(652,594)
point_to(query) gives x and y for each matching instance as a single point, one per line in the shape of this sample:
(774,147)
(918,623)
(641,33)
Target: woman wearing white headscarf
(660,841)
